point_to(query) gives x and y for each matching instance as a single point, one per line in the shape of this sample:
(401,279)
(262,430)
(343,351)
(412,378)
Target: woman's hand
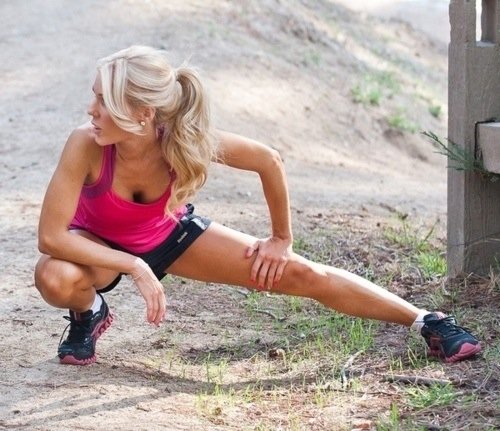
(272,256)
(152,291)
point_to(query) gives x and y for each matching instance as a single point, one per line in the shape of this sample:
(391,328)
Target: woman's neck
(143,147)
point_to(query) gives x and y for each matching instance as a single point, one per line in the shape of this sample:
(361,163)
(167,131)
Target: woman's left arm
(272,253)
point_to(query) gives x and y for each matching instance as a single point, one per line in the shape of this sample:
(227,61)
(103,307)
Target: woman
(117,204)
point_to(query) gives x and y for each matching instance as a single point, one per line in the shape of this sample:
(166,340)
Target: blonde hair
(140,76)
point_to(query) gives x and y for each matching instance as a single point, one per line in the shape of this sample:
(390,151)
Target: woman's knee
(56,279)
(300,278)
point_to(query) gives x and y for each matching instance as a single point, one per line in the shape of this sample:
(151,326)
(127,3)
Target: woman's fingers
(270,261)
(152,292)
(158,307)
(154,309)
(264,268)
(162,308)
(271,275)
(252,249)
(268,272)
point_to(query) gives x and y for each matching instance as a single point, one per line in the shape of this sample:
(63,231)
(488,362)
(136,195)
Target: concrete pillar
(473,97)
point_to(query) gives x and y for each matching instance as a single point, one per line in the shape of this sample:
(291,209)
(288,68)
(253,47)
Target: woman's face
(105,130)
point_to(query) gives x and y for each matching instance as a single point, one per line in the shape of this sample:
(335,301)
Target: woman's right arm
(59,207)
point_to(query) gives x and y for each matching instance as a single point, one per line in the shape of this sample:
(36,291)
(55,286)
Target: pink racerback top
(136,227)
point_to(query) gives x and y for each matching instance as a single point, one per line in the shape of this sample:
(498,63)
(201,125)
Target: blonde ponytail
(189,144)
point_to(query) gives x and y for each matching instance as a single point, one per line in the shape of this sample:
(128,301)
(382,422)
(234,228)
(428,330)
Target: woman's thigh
(218,256)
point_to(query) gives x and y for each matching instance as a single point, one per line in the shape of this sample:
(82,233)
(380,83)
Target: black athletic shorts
(160,258)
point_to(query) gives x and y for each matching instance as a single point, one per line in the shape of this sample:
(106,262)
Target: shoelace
(77,329)
(447,326)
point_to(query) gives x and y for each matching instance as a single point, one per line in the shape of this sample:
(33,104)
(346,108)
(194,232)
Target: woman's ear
(147,114)
(150,113)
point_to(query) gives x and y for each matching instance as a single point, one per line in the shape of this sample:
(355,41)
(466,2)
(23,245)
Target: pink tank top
(136,227)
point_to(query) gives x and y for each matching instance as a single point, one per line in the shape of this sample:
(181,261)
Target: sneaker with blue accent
(447,340)
(84,330)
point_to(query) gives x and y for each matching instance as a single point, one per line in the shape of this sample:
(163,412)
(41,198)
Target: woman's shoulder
(83,136)
(81,141)
(81,148)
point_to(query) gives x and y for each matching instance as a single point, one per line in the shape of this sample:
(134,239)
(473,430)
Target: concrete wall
(474,96)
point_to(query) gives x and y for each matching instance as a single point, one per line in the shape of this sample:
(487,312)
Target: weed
(256,300)
(496,267)
(212,404)
(408,237)
(443,298)
(459,158)
(388,81)
(374,87)
(494,276)
(322,397)
(366,95)
(294,304)
(392,422)
(435,110)
(414,358)
(431,396)
(395,364)
(369,273)
(215,371)
(300,245)
(336,332)
(312,58)
(418,250)
(491,353)
(400,121)
(432,263)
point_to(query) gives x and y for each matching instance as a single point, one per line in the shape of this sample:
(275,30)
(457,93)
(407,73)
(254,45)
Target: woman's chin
(100,140)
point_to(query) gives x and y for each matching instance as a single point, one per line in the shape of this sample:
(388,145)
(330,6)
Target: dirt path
(277,71)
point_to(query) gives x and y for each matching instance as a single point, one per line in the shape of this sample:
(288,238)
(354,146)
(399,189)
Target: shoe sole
(98,331)
(466,351)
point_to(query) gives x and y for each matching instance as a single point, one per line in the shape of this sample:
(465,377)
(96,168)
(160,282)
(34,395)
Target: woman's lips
(97,130)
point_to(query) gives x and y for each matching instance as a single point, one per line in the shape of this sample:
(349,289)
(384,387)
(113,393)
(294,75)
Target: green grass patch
(435,110)
(405,236)
(418,397)
(312,58)
(400,121)
(392,421)
(418,249)
(374,87)
(432,263)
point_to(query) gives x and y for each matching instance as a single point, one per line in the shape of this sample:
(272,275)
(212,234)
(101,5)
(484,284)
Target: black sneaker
(84,330)
(447,340)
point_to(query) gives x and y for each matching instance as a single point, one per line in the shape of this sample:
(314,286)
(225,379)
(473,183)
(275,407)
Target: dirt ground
(279,71)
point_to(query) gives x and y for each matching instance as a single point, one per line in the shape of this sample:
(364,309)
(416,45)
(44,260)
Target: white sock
(419,321)
(97,303)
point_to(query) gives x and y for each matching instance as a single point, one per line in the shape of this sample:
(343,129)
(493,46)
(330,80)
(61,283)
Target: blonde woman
(118,204)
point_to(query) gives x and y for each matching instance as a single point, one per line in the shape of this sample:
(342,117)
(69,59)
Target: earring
(142,123)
